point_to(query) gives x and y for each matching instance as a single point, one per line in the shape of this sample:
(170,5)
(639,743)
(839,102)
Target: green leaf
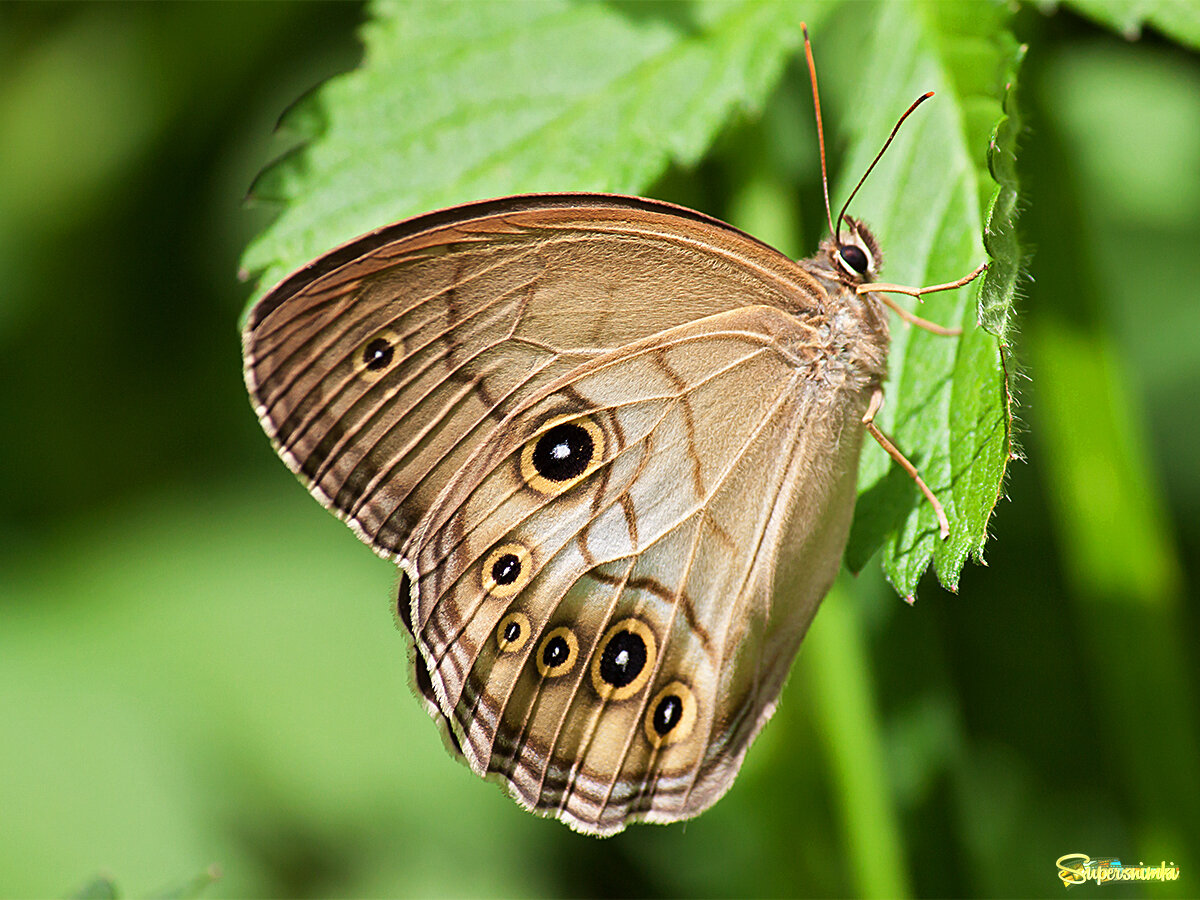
(1177,19)
(457,102)
(948,399)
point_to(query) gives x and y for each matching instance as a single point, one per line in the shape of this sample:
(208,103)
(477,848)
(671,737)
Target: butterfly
(597,433)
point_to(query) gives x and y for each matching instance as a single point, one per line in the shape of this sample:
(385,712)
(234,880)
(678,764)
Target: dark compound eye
(667,714)
(854,257)
(506,569)
(378,354)
(563,452)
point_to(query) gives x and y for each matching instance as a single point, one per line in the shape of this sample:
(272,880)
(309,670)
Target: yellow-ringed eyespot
(671,715)
(622,663)
(562,454)
(512,632)
(557,652)
(506,570)
(375,356)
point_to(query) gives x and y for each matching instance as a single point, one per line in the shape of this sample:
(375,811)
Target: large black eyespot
(562,455)
(506,570)
(563,452)
(557,653)
(623,660)
(512,632)
(854,256)
(671,715)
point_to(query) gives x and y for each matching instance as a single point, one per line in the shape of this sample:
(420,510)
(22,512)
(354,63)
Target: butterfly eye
(671,714)
(558,651)
(512,632)
(562,455)
(624,660)
(855,257)
(377,355)
(506,570)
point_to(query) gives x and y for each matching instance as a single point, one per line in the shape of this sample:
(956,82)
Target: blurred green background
(198,665)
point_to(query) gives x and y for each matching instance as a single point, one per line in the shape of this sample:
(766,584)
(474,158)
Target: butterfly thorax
(853,327)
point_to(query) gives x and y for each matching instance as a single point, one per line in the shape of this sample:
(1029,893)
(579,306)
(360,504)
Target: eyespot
(855,257)
(562,454)
(557,653)
(512,632)
(377,354)
(671,715)
(624,660)
(506,570)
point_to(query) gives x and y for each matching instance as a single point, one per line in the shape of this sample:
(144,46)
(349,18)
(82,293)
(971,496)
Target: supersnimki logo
(1078,868)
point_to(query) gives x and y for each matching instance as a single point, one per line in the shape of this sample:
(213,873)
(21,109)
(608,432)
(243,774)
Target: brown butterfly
(596,433)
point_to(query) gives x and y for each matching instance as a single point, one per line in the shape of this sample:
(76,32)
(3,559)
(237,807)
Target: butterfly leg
(894,452)
(881,288)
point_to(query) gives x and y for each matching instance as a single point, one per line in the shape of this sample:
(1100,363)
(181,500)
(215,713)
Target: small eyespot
(513,632)
(624,660)
(377,355)
(671,715)
(557,653)
(855,257)
(506,570)
(562,454)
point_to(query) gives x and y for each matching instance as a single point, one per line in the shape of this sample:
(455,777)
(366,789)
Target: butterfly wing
(602,638)
(380,369)
(609,643)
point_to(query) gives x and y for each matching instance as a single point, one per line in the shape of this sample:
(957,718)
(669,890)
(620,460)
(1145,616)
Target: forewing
(379,370)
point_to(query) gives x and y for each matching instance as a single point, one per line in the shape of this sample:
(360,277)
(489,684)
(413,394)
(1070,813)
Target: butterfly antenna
(878,156)
(812,73)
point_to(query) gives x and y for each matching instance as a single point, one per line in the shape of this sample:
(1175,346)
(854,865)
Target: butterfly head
(854,253)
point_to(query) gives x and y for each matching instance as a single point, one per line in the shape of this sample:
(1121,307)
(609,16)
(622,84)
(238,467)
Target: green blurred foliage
(197,665)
